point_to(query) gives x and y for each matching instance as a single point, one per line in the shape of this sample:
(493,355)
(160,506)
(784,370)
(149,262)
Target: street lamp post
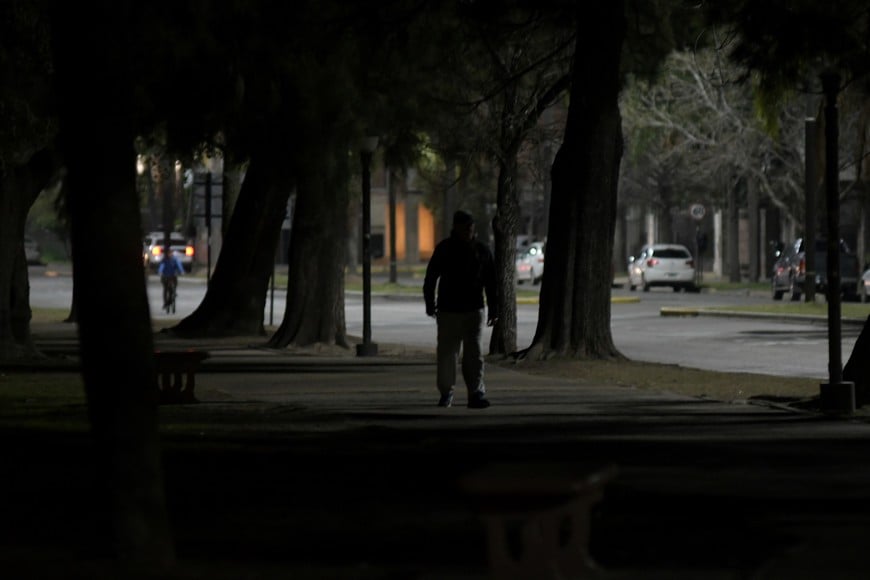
(367,148)
(836,395)
(394,276)
(810,185)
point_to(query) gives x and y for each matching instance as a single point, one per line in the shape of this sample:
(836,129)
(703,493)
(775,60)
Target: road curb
(677,311)
(521,300)
(624,300)
(800,318)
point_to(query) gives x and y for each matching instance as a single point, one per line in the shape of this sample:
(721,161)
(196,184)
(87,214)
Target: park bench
(172,367)
(536,517)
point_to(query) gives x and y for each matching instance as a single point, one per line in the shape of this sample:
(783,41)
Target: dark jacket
(463,271)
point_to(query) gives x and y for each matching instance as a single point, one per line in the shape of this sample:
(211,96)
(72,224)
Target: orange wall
(401,235)
(426,231)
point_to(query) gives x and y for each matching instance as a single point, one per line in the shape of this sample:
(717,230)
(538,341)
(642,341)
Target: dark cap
(462,218)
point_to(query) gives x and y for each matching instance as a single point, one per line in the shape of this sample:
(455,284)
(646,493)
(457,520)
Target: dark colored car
(789,271)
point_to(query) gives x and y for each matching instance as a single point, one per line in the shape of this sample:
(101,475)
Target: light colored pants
(455,330)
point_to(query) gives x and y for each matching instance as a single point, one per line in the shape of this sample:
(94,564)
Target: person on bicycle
(169,269)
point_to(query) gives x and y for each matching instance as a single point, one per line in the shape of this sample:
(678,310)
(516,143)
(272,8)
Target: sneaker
(446,400)
(478,402)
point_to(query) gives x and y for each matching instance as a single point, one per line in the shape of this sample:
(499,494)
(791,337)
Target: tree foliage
(694,132)
(789,42)
(28,120)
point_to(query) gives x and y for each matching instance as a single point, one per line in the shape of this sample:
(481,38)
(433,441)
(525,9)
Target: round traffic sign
(697,211)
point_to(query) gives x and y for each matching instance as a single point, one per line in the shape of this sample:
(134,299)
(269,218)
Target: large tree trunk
(19,187)
(514,128)
(233,177)
(315,294)
(235,301)
(91,51)
(504,333)
(574,313)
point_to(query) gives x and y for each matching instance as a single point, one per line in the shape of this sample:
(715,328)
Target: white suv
(662,265)
(152,249)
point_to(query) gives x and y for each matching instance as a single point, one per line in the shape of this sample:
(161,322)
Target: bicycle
(170,284)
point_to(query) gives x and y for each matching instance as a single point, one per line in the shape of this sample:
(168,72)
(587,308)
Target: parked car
(864,286)
(32,252)
(662,265)
(789,271)
(152,249)
(530,263)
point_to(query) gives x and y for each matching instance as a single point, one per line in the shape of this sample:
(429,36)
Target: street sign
(697,211)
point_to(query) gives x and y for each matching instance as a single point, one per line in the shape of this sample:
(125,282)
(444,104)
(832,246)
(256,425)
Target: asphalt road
(640,332)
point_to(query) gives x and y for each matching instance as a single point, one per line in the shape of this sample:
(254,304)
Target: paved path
(704,488)
(365,468)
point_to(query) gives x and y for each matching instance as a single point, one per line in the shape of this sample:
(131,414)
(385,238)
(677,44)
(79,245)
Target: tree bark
(19,188)
(235,300)
(145,189)
(732,239)
(161,175)
(504,334)
(514,128)
(396,175)
(233,178)
(754,245)
(574,312)
(91,47)
(315,292)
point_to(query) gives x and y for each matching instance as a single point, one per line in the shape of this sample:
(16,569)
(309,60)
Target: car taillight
(802,266)
(156,250)
(690,263)
(652,262)
(188,251)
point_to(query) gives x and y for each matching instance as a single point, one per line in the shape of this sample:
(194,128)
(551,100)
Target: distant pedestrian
(463,270)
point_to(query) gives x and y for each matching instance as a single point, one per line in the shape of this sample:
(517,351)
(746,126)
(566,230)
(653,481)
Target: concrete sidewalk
(703,489)
(354,471)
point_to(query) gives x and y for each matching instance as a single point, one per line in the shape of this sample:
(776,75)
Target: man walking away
(463,270)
